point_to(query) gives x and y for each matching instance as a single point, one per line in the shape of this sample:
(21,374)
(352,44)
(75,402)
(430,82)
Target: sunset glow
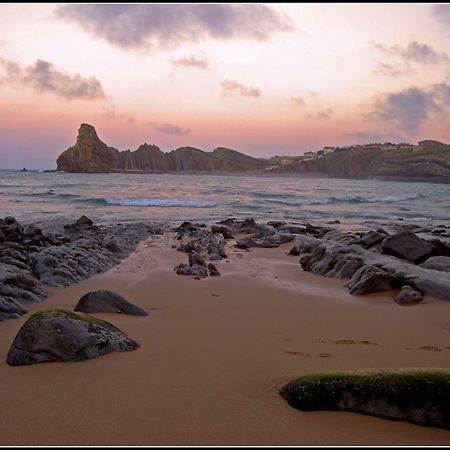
(262,79)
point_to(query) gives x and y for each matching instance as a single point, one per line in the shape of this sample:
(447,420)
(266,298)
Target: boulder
(107,301)
(59,335)
(418,396)
(406,245)
(195,258)
(441,263)
(408,296)
(212,269)
(346,266)
(370,279)
(195,270)
(371,238)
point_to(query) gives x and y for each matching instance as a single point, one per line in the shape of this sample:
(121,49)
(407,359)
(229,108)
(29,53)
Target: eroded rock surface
(59,335)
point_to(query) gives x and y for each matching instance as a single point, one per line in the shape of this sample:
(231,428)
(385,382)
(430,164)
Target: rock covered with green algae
(60,335)
(415,395)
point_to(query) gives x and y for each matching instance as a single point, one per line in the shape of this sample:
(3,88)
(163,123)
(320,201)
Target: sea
(56,197)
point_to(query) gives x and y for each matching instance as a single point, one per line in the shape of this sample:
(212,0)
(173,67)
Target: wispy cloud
(298,102)
(401,59)
(322,115)
(441,13)
(236,88)
(170,25)
(111,113)
(197,62)
(170,128)
(42,76)
(366,137)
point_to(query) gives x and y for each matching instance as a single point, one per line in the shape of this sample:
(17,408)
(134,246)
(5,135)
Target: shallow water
(42,197)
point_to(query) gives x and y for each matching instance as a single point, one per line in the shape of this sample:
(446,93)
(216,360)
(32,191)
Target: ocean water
(37,197)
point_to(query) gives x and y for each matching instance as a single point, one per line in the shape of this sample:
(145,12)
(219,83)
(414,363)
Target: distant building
(320,153)
(373,146)
(327,150)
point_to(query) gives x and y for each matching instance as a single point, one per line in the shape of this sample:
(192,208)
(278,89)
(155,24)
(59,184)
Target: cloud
(410,108)
(42,76)
(441,13)
(365,137)
(191,61)
(414,52)
(394,70)
(140,26)
(322,115)
(112,113)
(298,102)
(401,58)
(169,128)
(233,87)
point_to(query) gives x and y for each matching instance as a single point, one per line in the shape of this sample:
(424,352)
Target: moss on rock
(416,395)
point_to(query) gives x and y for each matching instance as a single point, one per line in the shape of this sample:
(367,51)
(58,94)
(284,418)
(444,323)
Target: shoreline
(315,175)
(213,354)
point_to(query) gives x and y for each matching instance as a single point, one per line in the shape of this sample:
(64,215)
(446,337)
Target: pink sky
(262,79)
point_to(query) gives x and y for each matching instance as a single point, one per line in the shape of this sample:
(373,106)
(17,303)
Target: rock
(195,270)
(222,230)
(406,245)
(59,335)
(418,396)
(196,259)
(107,301)
(370,279)
(441,263)
(346,266)
(371,238)
(408,296)
(294,251)
(212,269)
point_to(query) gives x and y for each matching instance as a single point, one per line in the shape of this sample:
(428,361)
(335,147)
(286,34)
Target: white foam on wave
(160,202)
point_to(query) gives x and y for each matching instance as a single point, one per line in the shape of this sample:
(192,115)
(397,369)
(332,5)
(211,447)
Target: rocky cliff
(90,154)
(428,164)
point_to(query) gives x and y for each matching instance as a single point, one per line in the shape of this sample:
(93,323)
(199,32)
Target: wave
(159,202)
(346,199)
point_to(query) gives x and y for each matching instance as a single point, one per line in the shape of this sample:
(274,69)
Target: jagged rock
(408,296)
(196,259)
(419,396)
(441,263)
(265,242)
(59,335)
(195,270)
(222,230)
(212,269)
(107,301)
(90,154)
(370,279)
(346,266)
(406,245)
(295,251)
(372,238)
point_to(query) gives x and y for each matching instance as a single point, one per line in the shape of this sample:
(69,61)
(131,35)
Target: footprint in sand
(324,355)
(346,342)
(430,348)
(306,355)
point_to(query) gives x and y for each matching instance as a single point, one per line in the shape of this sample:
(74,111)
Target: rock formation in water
(90,154)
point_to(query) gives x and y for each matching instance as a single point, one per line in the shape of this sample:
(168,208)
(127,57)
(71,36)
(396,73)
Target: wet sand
(213,354)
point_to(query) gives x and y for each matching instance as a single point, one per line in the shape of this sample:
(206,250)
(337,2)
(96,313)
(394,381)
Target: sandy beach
(213,354)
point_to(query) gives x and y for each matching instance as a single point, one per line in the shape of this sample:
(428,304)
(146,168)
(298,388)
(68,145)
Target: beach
(213,354)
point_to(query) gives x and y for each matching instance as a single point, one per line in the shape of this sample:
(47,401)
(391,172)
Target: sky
(263,79)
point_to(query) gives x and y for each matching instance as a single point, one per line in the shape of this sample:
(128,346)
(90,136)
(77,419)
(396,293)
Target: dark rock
(222,230)
(371,238)
(408,296)
(369,279)
(196,259)
(294,251)
(345,267)
(59,335)
(107,301)
(212,269)
(441,263)
(418,396)
(195,271)
(406,245)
